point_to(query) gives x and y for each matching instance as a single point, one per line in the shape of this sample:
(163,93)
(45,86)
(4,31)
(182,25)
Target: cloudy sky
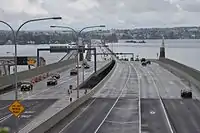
(112,13)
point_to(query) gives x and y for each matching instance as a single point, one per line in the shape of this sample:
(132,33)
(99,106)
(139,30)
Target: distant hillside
(48,37)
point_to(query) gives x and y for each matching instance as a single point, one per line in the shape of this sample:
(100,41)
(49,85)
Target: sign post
(16,108)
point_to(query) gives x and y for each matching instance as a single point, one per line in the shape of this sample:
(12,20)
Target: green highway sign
(59,49)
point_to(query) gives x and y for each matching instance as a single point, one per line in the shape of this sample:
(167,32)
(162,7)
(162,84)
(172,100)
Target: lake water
(183,51)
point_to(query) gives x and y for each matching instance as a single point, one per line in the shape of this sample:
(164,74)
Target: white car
(26,86)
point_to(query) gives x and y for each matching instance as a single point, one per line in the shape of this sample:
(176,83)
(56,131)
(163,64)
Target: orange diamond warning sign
(16,108)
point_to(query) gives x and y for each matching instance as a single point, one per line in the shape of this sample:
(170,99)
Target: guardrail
(66,111)
(9,80)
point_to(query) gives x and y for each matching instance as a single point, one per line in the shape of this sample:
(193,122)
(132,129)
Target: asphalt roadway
(135,99)
(114,109)
(36,101)
(181,113)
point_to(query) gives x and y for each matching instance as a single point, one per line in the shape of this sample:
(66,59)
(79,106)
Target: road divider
(34,75)
(46,125)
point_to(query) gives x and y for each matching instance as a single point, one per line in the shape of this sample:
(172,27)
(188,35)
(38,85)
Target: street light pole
(15,59)
(78,34)
(15,42)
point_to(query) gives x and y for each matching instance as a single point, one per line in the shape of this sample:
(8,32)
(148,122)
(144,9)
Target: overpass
(131,98)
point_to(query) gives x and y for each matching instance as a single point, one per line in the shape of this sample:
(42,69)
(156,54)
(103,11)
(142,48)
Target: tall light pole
(16,35)
(78,34)
(15,42)
(15,55)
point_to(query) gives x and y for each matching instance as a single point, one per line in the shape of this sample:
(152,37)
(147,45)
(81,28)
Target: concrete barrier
(9,80)
(66,111)
(181,70)
(191,71)
(95,74)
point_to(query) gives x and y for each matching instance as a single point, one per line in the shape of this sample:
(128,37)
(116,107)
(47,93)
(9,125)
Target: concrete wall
(10,79)
(182,71)
(192,72)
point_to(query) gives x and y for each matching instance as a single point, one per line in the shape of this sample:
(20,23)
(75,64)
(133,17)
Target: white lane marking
(77,116)
(152,112)
(5,118)
(4,107)
(25,116)
(162,105)
(113,104)
(125,108)
(139,102)
(125,122)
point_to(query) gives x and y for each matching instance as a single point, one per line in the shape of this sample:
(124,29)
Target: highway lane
(32,109)
(38,87)
(113,109)
(104,113)
(171,85)
(183,114)
(48,93)
(41,86)
(147,87)
(154,118)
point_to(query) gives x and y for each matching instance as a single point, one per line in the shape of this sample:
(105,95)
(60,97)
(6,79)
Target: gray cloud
(113,13)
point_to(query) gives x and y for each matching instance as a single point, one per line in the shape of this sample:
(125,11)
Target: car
(56,75)
(26,86)
(144,63)
(73,72)
(186,93)
(84,63)
(86,66)
(148,62)
(143,60)
(132,59)
(79,66)
(137,59)
(52,81)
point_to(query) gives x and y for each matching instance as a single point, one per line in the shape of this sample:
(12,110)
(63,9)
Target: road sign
(21,60)
(31,61)
(59,49)
(16,108)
